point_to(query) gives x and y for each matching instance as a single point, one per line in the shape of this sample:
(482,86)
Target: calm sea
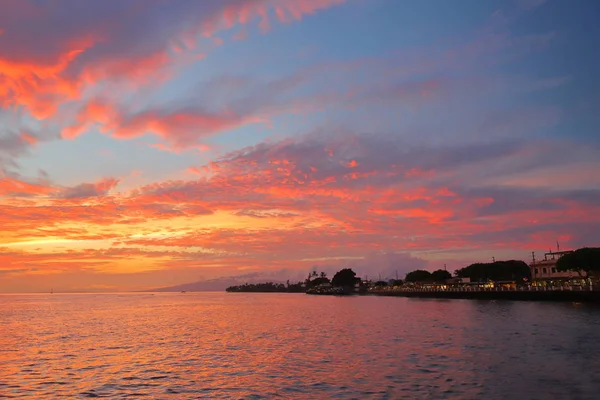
(234,345)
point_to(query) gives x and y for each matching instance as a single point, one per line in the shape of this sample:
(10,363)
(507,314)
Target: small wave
(158,377)
(90,394)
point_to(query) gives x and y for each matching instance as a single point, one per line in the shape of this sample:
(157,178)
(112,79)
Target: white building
(546,269)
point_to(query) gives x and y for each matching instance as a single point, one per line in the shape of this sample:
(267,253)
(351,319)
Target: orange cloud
(32,140)
(40,87)
(13,187)
(193,170)
(240,216)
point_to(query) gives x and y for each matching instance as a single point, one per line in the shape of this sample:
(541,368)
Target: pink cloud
(295,10)
(181,129)
(246,11)
(94,48)
(87,190)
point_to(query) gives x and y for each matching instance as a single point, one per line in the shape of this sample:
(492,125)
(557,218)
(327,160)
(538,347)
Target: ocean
(294,346)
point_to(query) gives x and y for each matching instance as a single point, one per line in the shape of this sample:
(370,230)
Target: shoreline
(577,296)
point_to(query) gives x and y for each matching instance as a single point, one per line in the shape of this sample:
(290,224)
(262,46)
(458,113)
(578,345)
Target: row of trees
(263,287)
(511,270)
(421,275)
(584,261)
(343,278)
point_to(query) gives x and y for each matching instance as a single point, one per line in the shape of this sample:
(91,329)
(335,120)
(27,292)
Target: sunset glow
(149,143)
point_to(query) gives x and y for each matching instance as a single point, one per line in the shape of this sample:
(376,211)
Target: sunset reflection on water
(228,345)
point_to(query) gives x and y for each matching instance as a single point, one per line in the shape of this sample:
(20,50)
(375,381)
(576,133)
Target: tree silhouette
(418,275)
(318,281)
(586,259)
(345,278)
(440,275)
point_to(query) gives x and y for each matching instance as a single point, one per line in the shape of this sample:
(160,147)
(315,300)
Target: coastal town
(558,275)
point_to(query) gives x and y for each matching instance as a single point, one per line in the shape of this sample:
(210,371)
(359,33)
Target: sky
(148,143)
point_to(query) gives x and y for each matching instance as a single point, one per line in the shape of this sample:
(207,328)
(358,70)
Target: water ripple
(294,347)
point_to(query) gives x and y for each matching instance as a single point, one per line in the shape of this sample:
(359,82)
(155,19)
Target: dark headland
(570,276)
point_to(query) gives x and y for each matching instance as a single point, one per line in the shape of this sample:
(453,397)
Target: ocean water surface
(236,345)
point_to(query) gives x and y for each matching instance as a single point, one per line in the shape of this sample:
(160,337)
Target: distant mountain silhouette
(214,285)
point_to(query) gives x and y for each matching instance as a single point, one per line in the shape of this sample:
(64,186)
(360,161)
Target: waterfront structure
(543,270)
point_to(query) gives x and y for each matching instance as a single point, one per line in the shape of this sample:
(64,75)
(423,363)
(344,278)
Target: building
(546,269)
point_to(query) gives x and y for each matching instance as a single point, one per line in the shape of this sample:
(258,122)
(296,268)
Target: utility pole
(445,267)
(493,259)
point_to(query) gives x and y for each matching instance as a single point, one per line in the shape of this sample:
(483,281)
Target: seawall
(579,296)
